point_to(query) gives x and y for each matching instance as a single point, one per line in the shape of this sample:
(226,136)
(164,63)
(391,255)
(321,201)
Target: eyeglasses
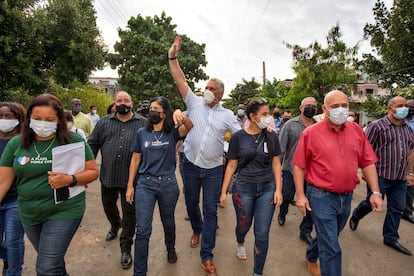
(259,101)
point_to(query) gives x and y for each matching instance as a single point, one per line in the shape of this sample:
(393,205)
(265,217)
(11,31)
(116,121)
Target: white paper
(226,146)
(69,159)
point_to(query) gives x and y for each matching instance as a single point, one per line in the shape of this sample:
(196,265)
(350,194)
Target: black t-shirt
(243,147)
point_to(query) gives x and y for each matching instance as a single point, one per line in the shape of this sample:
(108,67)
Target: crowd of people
(268,160)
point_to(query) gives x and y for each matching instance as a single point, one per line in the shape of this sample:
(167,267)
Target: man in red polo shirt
(328,156)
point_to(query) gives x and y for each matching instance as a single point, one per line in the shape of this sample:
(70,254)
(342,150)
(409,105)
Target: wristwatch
(377,193)
(74,181)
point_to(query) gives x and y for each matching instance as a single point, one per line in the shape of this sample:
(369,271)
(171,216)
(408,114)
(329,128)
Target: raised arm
(175,68)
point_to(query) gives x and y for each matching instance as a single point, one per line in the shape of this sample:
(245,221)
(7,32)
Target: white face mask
(208,96)
(43,128)
(338,115)
(7,125)
(264,122)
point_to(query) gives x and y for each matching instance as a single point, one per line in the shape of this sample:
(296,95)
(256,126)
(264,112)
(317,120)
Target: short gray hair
(220,84)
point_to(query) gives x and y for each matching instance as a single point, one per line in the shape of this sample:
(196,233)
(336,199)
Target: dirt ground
(363,252)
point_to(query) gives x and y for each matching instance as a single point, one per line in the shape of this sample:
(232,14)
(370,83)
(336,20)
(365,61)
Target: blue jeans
(210,179)
(51,240)
(150,189)
(395,191)
(254,200)
(12,241)
(288,191)
(330,212)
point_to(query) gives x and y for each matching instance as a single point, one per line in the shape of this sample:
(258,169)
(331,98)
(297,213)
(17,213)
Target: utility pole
(264,73)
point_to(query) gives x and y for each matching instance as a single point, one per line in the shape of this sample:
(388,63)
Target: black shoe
(397,246)
(126,260)
(171,255)
(281,219)
(112,233)
(353,223)
(306,238)
(409,218)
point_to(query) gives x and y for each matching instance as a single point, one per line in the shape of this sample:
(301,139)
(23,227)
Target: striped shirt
(392,145)
(114,139)
(204,144)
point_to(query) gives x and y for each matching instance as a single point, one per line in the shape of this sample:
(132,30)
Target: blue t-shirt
(243,146)
(12,193)
(157,149)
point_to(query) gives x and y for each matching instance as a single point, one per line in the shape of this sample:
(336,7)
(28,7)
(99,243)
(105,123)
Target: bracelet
(172,58)
(377,193)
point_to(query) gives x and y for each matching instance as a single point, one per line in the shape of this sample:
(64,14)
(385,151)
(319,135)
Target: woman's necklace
(157,139)
(48,147)
(256,138)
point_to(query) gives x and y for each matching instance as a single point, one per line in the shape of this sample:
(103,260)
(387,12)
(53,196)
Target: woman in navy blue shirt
(154,159)
(254,153)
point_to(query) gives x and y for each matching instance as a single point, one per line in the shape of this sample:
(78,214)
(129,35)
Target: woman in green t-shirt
(50,226)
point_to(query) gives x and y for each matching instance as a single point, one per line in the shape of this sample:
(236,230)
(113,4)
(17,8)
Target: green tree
(73,47)
(319,70)
(392,38)
(19,51)
(141,59)
(242,93)
(274,91)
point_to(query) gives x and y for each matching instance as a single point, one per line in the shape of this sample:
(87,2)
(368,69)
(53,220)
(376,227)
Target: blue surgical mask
(240,112)
(401,113)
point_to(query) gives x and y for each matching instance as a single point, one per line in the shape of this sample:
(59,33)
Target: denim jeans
(288,192)
(12,242)
(109,198)
(395,191)
(254,200)
(330,213)
(51,240)
(210,180)
(409,199)
(150,189)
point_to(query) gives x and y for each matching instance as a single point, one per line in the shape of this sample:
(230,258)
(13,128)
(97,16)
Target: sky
(242,34)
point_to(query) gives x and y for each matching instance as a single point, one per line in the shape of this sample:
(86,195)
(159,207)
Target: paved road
(363,251)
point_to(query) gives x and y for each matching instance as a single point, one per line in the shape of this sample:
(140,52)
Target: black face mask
(122,109)
(276,114)
(309,111)
(410,112)
(154,117)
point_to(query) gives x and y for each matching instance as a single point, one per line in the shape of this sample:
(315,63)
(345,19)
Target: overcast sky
(241,34)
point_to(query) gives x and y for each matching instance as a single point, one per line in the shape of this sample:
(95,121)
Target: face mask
(122,109)
(401,113)
(154,117)
(240,112)
(208,96)
(76,109)
(276,114)
(7,125)
(93,111)
(264,122)
(43,128)
(350,119)
(338,115)
(70,124)
(309,111)
(410,112)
